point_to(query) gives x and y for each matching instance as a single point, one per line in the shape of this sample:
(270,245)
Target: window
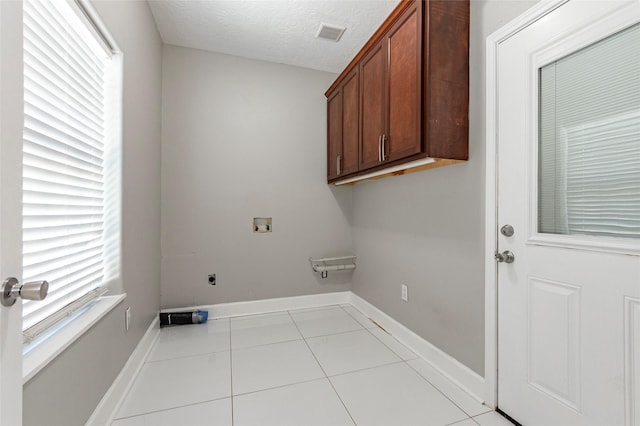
(71,166)
(590,140)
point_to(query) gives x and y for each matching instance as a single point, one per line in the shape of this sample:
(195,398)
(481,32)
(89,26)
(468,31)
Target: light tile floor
(329,366)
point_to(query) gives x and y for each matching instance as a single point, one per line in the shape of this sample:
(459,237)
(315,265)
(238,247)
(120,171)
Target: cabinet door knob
(338,161)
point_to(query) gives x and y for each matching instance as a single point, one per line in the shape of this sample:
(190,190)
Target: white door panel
(11,122)
(567,306)
(632,358)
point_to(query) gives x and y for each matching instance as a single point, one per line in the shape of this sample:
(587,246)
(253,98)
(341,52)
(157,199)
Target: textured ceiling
(276,31)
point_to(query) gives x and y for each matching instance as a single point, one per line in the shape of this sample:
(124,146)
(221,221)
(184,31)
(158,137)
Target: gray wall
(426,229)
(243,139)
(69,388)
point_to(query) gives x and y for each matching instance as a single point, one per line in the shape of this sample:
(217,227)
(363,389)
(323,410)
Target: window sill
(46,348)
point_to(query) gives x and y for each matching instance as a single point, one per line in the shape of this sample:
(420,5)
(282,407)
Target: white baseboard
(253,307)
(108,407)
(454,370)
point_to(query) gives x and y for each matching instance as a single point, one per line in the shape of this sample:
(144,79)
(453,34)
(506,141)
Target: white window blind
(63,158)
(589,158)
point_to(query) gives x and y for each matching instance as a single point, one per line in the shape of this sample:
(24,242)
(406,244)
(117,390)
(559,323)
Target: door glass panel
(589,140)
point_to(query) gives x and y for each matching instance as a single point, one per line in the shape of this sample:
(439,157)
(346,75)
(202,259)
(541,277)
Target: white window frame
(56,334)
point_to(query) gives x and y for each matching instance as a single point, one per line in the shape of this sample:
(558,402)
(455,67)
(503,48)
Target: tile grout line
(324,372)
(490,411)
(160,410)
(285,311)
(308,347)
(279,342)
(334,334)
(231,371)
(367,368)
(284,341)
(470,418)
(342,402)
(184,356)
(437,388)
(318,378)
(312,309)
(474,421)
(267,344)
(280,386)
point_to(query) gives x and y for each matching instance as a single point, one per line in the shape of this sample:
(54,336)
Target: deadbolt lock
(507,230)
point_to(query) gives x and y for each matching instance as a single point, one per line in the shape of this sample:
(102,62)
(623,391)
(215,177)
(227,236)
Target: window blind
(63,157)
(589,168)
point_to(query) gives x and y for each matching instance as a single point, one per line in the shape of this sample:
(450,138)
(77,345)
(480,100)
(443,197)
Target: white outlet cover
(127,318)
(405,293)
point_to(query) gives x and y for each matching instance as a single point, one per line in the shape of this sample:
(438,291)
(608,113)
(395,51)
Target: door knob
(11,290)
(506,257)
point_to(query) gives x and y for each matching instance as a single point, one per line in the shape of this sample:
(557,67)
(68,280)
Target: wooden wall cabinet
(413,94)
(342,128)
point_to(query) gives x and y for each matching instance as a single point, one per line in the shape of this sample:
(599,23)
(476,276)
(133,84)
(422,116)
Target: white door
(11,123)
(568,143)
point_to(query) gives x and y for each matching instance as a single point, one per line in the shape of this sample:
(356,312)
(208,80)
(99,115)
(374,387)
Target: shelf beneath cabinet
(401,169)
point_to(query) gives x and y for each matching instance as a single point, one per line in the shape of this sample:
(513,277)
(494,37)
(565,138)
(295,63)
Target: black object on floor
(181,318)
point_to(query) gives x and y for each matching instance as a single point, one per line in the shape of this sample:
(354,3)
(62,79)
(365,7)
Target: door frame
(530,16)
(11,123)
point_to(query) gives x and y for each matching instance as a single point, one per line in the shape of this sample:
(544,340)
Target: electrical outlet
(127,318)
(212,279)
(405,293)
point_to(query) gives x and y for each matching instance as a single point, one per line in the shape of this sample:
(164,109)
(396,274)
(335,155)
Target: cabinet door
(372,121)
(350,115)
(402,138)
(334,133)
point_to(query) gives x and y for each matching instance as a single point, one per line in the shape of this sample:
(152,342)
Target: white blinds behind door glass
(589,168)
(63,155)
